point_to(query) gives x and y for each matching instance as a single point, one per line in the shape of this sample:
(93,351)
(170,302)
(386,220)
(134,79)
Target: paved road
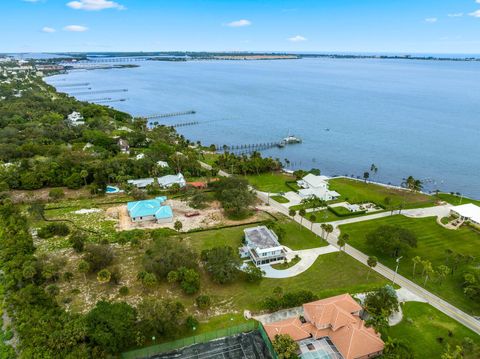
(445,307)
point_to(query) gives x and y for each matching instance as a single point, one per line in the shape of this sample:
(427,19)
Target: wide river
(419,118)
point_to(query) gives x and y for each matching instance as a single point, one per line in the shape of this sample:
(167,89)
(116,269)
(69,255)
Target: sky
(384,26)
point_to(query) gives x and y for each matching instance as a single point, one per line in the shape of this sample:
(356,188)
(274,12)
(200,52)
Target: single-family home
(150,210)
(467,212)
(169,180)
(162,164)
(331,328)
(75,119)
(316,186)
(262,246)
(141,182)
(124,146)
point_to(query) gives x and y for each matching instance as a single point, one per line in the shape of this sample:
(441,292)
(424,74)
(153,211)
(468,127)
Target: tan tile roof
(336,318)
(292,327)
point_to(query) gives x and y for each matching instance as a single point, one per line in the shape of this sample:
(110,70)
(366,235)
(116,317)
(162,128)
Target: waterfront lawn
(270,182)
(432,242)
(355,191)
(280,199)
(423,325)
(456,200)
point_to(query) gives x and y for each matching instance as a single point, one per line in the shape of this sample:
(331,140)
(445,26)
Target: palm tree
(292,213)
(302,213)
(341,243)
(84,175)
(84,267)
(328,230)
(373,169)
(372,262)
(366,175)
(322,226)
(178,226)
(412,184)
(312,218)
(416,260)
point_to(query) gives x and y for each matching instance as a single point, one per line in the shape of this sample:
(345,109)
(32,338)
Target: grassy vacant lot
(270,182)
(209,158)
(456,200)
(433,240)
(357,191)
(421,327)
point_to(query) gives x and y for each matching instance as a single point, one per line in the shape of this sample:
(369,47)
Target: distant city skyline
(427,26)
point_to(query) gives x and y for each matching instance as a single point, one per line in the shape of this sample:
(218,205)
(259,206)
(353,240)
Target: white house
(169,180)
(162,164)
(316,186)
(262,246)
(141,182)
(75,119)
(467,212)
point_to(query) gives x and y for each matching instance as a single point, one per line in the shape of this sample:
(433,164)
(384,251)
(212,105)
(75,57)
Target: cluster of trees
(235,196)
(44,150)
(380,305)
(43,329)
(280,299)
(392,240)
(244,165)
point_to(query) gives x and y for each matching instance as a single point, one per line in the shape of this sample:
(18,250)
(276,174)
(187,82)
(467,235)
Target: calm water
(417,118)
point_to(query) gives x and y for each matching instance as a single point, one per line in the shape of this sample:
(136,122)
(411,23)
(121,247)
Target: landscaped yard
(423,326)
(270,182)
(355,191)
(456,200)
(433,241)
(280,199)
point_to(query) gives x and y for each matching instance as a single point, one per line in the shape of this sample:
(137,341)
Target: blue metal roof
(149,207)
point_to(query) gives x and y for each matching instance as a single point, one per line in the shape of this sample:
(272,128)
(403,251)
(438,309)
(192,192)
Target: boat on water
(291,139)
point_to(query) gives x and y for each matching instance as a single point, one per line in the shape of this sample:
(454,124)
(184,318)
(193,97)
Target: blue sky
(413,26)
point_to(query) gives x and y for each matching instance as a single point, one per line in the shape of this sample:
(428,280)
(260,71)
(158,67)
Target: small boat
(291,139)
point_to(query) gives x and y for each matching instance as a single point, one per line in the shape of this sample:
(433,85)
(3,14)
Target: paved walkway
(435,301)
(308,257)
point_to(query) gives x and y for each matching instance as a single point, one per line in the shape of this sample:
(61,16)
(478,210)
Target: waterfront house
(124,146)
(150,210)
(331,328)
(75,119)
(467,212)
(316,186)
(262,246)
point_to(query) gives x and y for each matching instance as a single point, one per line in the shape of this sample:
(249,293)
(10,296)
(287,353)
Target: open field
(433,241)
(270,182)
(423,325)
(456,200)
(355,191)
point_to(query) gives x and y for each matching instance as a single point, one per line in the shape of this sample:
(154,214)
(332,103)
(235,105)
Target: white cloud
(297,38)
(95,5)
(431,20)
(239,23)
(75,28)
(48,29)
(475,13)
(457,14)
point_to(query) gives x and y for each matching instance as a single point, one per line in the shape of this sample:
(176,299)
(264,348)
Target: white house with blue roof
(150,210)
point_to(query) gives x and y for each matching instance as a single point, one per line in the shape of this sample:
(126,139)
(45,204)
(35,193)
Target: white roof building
(75,118)
(316,186)
(469,212)
(162,164)
(141,182)
(262,246)
(170,180)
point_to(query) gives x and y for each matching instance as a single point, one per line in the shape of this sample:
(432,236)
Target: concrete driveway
(308,257)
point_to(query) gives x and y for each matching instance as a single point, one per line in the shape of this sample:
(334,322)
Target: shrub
(77,240)
(56,193)
(288,300)
(254,274)
(54,229)
(203,302)
(123,291)
(99,256)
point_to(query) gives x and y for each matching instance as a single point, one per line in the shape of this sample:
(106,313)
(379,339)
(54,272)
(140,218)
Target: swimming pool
(112,189)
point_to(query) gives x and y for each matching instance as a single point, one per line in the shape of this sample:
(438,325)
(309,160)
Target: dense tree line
(244,164)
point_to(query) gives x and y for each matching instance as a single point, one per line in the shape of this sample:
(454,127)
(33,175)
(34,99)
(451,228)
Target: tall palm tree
(372,263)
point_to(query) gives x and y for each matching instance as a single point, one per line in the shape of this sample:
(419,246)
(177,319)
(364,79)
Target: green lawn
(296,237)
(357,191)
(433,240)
(422,325)
(456,200)
(270,182)
(209,158)
(280,199)
(323,215)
